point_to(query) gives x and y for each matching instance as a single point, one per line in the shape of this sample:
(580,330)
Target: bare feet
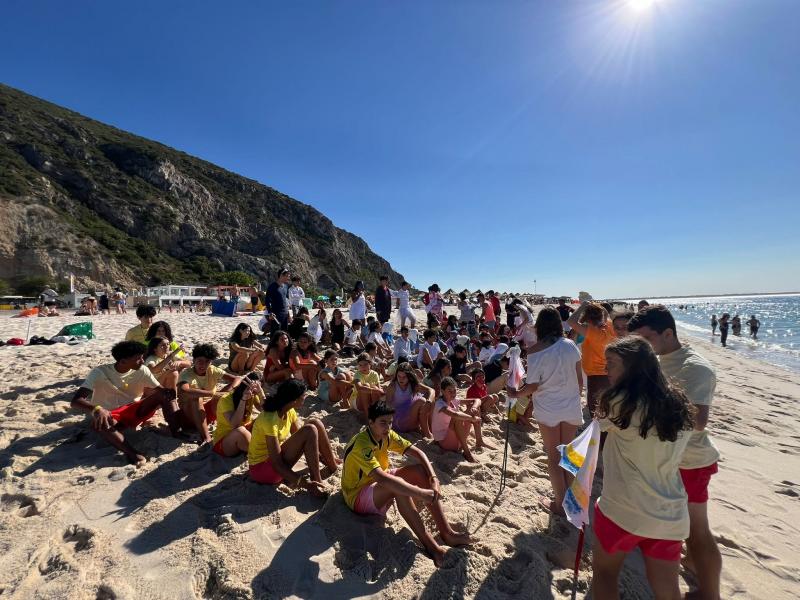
(551,507)
(485,444)
(457,539)
(137,460)
(470,458)
(436,554)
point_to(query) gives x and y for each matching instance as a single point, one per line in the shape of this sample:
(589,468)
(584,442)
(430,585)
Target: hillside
(78,196)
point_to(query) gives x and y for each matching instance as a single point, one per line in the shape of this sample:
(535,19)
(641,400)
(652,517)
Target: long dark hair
(549,327)
(273,344)
(240,389)
(644,387)
(151,332)
(312,347)
(288,391)
(439,366)
(236,337)
(153,343)
(406,368)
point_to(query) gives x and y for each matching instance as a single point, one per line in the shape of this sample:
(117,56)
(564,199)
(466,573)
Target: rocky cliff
(81,197)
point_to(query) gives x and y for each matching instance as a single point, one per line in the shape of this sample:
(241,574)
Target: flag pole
(505,450)
(578,555)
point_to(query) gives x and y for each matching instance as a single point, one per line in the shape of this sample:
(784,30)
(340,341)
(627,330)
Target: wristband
(97,409)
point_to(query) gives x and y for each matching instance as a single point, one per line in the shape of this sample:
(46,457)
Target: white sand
(77,522)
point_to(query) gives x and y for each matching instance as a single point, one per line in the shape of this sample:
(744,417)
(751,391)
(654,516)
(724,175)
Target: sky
(621,147)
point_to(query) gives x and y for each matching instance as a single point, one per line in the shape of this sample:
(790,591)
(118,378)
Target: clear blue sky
(588,145)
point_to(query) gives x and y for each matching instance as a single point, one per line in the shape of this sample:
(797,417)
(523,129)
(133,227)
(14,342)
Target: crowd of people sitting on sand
(651,392)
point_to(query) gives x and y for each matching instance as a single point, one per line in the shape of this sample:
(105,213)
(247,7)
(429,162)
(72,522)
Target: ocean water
(778,340)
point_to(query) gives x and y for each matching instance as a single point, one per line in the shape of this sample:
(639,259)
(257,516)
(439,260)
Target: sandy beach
(77,522)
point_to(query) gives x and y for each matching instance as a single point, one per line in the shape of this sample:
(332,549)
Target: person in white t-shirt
(429,350)
(358,303)
(295,294)
(403,304)
(555,378)
(123,395)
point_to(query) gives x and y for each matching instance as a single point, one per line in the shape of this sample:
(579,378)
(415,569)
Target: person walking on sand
(643,503)
(713,325)
(697,378)
(598,333)
(370,487)
(754,324)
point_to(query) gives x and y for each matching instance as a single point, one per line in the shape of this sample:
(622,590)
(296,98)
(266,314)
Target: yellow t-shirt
(371,378)
(225,405)
(209,381)
(593,349)
(642,489)
(136,334)
(268,424)
(362,456)
(695,375)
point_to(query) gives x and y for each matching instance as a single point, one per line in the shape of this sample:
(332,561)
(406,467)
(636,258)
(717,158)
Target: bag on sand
(83,329)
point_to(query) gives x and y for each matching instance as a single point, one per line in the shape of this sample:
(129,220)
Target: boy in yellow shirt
(367,388)
(370,487)
(138,333)
(197,389)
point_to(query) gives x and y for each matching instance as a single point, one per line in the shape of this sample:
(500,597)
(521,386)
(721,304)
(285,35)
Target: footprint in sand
(22,503)
(80,536)
(787,488)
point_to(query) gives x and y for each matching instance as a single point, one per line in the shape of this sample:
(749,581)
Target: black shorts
(384,315)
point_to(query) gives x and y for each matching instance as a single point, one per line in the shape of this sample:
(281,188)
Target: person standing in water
(713,325)
(754,324)
(736,325)
(723,329)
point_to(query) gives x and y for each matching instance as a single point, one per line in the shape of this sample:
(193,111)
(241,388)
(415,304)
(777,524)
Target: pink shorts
(696,482)
(264,472)
(365,503)
(614,538)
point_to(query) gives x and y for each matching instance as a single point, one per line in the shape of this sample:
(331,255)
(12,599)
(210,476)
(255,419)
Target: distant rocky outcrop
(81,197)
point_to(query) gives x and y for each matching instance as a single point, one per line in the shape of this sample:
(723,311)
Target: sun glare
(641,5)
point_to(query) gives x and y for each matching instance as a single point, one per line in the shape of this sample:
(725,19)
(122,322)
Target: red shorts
(127,417)
(218,447)
(614,538)
(696,482)
(264,472)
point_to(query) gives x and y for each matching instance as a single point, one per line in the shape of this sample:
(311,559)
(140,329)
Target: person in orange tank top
(592,322)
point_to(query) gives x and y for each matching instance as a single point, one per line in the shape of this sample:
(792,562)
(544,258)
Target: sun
(641,5)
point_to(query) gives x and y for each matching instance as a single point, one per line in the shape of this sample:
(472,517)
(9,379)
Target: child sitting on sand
(376,337)
(648,423)
(277,368)
(335,383)
(461,365)
(246,353)
(411,400)
(402,345)
(352,340)
(441,369)
(304,361)
(165,365)
(162,329)
(429,350)
(367,388)
(138,333)
(479,391)
(197,389)
(378,363)
(123,395)
(235,416)
(370,487)
(279,440)
(451,426)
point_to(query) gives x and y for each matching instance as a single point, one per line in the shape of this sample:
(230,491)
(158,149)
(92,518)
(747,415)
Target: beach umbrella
(50,292)
(323,298)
